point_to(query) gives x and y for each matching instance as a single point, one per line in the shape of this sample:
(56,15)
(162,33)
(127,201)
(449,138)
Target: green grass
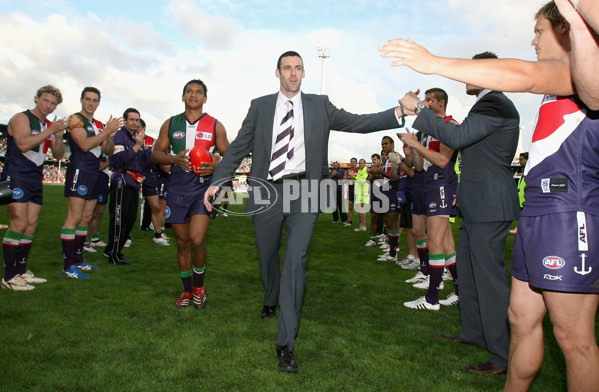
(120,330)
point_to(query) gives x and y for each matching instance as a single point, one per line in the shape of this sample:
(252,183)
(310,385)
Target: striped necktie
(282,151)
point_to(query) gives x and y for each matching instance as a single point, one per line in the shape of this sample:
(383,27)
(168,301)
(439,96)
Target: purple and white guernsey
(562,173)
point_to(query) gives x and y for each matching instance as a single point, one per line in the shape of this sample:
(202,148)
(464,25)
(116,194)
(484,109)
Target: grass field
(120,330)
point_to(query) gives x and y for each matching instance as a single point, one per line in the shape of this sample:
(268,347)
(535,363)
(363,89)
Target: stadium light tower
(323,50)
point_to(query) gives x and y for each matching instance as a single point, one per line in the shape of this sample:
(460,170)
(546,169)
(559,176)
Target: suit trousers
(286,287)
(484,288)
(123,212)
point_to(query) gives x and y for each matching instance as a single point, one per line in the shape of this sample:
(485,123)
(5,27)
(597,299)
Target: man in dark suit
(488,200)
(288,135)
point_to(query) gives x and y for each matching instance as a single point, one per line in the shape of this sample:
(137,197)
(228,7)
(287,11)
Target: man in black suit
(288,130)
(488,200)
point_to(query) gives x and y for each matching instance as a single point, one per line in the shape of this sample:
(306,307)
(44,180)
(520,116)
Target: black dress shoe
(487,368)
(453,338)
(287,362)
(268,311)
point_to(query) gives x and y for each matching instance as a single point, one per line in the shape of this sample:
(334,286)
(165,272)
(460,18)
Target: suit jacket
(320,116)
(488,139)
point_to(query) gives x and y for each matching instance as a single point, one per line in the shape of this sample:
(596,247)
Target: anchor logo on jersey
(583,270)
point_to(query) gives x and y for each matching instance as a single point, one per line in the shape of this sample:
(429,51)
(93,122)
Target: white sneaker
(413,265)
(370,243)
(164,236)
(384,246)
(421,303)
(160,241)
(447,275)
(387,257)
(346,224)
(419,277)
(89,248)
(381,236)
(29,277)
(98,243)
(361,228)
(425,284)
(452,299)
(224,214)
(16,284)
(127,243)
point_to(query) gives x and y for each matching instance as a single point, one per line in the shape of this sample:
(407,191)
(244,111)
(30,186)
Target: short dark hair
(524,155)
(91,90)
(551,13)
(289,53)
(439,93)
(375,155)
(196,81)
(391,141)
(356,159)
(142,122)
(485,55)
(130,110)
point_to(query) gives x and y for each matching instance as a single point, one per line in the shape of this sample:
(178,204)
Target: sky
(141,53)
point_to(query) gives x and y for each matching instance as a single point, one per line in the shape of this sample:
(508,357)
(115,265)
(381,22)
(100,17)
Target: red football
(197,155)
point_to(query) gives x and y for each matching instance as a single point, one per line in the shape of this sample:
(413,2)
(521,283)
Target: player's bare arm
(160,152)
(585,50)
(57,146)
(19,129)
(510,75)
(79,134)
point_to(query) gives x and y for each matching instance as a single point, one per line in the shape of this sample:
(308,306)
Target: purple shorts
(81,184)
(103,188)
(393,201)
(24,192)
(151,185)
(439,199)
(180,208)
(561,252)
(418,201)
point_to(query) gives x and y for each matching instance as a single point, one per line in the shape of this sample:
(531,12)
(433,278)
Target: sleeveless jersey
(562,173)
(405,182)
(392,184)
(431,170)
(87,161)
(28,165)
(185,135)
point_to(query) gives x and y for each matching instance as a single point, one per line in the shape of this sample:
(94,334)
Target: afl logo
(82,190)
(554,262)
(17,193)
(432,205)
(167,212)
(178,134)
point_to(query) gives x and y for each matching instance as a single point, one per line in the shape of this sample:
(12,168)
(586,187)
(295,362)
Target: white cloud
(233,47)
(211,30)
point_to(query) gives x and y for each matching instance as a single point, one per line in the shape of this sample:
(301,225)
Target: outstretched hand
(209,194)
(411,54)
